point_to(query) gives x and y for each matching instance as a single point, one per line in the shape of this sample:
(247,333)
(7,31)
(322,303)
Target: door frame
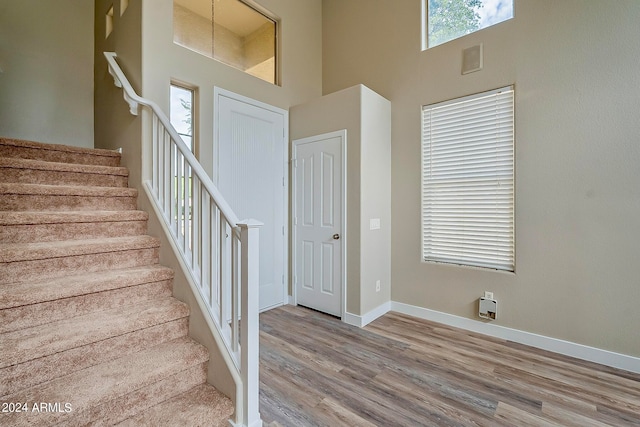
(220,92)
(342,134)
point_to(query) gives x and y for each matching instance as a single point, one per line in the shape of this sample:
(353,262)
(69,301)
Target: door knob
(336,236)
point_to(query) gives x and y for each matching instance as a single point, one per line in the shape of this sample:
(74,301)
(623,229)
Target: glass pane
(181,113)
(228,31)
(450,19)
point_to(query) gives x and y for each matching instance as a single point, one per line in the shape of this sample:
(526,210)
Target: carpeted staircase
(89,331)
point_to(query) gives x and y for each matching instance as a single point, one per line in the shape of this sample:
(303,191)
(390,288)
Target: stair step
(53,173)
(21,262)
(37,371)
(55,337)
(124,407)
(48,226)
(17,148)
(118,389)
(34,292)
(201,406)
(28,304)
(38,197)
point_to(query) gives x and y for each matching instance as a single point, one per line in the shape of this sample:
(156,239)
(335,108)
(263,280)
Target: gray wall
(574,64)
(46,83)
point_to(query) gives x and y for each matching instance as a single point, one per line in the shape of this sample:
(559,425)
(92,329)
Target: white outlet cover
(374,224)
(488,308)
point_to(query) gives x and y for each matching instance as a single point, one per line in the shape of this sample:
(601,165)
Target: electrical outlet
(377,285)
(488,295)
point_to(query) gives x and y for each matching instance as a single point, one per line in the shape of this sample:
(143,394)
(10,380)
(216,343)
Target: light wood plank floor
(403,371)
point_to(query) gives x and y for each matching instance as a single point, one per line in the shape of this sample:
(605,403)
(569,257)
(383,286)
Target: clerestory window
(445,20)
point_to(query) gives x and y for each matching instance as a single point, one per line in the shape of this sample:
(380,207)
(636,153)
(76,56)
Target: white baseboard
(568,348)
(579,351)
(364,320)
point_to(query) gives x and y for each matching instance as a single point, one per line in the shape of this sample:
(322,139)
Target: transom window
(445,20)
(229,31)
(468,181)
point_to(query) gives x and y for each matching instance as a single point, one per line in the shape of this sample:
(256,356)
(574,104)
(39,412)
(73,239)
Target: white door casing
(319,212)
(251,164)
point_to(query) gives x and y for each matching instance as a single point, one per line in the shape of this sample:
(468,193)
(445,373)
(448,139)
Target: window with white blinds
(468,181)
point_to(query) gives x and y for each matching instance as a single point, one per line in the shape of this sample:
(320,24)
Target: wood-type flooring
(403,371)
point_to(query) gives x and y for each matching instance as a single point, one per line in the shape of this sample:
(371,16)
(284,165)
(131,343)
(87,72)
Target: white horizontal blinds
(468,181)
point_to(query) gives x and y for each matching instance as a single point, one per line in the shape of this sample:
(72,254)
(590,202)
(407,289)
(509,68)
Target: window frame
(454,167)
(194,111)
(274,78)
(425,25)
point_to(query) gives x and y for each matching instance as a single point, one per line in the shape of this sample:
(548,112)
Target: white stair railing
(219,251)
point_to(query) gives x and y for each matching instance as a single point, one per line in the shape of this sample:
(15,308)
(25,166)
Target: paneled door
(251,147)
(319,238)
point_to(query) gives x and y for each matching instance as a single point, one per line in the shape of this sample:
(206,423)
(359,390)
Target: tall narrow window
(229,31)
(181,113)
(468,181)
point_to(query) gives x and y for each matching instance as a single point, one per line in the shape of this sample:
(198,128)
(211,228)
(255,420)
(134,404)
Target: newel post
(249,331)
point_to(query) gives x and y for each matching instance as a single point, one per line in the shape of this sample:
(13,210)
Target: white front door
(318,222)
(251,165)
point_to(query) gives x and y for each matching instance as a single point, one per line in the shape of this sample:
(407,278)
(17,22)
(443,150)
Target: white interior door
(319,238)
(251,165)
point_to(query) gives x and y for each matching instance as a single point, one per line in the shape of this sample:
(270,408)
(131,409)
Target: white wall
(574,64)
(366,117)
(46,83)
(375,200)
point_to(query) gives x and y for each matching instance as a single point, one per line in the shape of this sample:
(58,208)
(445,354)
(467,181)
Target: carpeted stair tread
(16,252)
(28,316)
(39,197)
(17,148)
(32,343)
(64,217)
(33,292)
(43,165)
(102,385)
(28,304)
(141,252)
(43,172)
(38,371)
(49,226)
(126,406)
(65,190)
(201,406)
